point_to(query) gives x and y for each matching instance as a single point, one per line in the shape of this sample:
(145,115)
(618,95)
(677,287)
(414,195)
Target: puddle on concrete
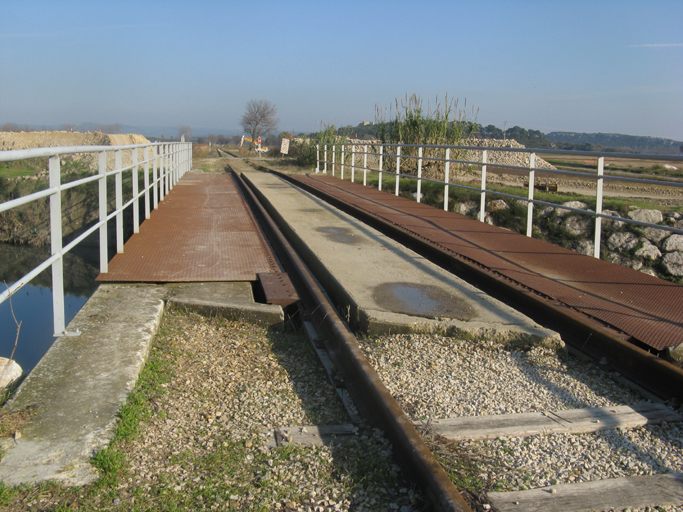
(339,235)
(421,300)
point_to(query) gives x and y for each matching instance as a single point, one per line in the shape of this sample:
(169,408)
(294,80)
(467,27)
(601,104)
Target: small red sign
(259,140)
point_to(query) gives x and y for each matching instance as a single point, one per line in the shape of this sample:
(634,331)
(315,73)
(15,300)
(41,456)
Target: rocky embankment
(651,250)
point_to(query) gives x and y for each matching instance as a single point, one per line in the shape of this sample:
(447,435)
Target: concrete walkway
(386,287)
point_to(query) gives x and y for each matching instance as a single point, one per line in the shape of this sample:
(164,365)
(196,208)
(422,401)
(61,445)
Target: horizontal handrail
(635,156)
(341,151)
(169,161)
(12,155)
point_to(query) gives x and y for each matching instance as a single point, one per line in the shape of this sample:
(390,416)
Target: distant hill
(639,144)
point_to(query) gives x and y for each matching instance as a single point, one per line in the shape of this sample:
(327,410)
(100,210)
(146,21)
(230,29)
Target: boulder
(618,259)
(584,247)
(498,204)
(649,216)
(622,242)
(647,251)
(655,235)
(10,371)
(467,208)
(649,272)
(672,262)
(578,225)
(572,204)
(546,211)
(673,243)
(675,355)
(616,224)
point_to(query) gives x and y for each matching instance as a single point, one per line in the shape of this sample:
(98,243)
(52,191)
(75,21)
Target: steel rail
(581,332)
(364,384)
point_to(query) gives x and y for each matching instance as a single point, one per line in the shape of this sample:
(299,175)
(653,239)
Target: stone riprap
(654,251)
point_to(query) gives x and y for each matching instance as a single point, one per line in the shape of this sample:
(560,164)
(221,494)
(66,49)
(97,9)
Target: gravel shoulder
(191,436)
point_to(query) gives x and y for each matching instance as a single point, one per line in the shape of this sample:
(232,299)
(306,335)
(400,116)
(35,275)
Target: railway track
(518,427)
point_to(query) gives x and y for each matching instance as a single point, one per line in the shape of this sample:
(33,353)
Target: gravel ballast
(231,381)
(435,377)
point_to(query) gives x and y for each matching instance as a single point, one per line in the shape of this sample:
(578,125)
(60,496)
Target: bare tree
(183,129)
(10,127)
(111,128)
(259,118)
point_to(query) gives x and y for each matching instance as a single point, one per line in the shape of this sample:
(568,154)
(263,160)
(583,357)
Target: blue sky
(589,66)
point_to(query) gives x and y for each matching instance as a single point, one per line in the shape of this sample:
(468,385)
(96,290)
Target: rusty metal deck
(645,308)
(202,231)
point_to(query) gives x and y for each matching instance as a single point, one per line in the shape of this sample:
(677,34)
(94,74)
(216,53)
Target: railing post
(530,203)
(342,161)
(398,167)
(163,169)
(365,167)
(162,172)
(447,179)
(56,246)
(317,158)
(598,207)
(118,181)
(482,202)
(325,171)
(176,164)
(172,165)
(334,158)
(146,182)
(104,232)
(169,168)
(379,185)
(136,191)
(155,176)
(353,163)
(419,174)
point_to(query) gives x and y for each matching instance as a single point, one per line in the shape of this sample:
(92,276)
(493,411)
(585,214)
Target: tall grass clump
(408,122)
(304,150)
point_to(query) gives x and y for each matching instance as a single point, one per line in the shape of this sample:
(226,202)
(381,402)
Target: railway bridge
(338,258)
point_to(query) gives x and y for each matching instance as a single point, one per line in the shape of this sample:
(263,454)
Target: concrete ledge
(383,322)
(80,385)
(260,314)
(228,300)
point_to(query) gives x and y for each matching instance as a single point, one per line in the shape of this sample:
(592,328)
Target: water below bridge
(32,304)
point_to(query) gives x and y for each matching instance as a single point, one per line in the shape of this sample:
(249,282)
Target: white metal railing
(380,152)
(168,161)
